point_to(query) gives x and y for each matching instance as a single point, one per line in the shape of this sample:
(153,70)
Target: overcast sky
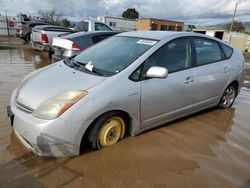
(202,12)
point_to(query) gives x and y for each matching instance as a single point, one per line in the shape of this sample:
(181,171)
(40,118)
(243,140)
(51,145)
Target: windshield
(114,54)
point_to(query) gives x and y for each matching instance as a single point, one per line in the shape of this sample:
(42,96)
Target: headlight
(57,105)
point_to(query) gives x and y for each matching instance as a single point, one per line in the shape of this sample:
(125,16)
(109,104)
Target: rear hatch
(64,48)
(36,35)
(60,45)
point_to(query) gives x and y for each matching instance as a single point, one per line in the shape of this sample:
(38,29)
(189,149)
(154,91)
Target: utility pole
(107,7)
(231,26)
(7,23)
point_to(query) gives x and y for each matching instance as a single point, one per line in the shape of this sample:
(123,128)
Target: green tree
(130,13)
(237,26)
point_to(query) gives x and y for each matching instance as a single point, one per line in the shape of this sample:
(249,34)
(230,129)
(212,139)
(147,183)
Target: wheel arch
(128,119)
(236,83)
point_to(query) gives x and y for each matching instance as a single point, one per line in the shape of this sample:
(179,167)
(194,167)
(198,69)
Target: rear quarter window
(228,51)
(207,51)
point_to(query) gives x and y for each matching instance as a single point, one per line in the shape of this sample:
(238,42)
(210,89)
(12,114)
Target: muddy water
(209,150)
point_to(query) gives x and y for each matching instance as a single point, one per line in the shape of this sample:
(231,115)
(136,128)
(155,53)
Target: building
(238,40)
(118,24)
(146,24)
(217,33)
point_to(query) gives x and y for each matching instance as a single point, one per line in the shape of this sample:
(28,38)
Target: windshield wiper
(92,69)
(71,62)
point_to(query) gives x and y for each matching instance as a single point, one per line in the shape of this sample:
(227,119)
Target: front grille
(24,107)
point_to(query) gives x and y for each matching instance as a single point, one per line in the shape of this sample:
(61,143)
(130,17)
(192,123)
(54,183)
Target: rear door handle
(189,80)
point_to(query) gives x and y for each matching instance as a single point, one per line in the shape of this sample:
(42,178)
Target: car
(91,25)
(71,45)
(42,36)
(124,85)
(24,30)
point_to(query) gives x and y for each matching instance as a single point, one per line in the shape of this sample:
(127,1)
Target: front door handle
(189,80)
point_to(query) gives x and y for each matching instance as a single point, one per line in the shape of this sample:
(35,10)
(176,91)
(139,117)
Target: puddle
(209,149)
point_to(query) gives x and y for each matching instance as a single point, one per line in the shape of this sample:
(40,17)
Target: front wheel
(107,130)
(228,97)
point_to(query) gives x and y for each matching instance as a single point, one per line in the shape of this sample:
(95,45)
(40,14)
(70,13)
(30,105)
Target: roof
(160,20)
(156,35)
(50,25)
(120,18)
(89,33)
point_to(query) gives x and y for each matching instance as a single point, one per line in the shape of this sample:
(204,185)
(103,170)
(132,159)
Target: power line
(208,13)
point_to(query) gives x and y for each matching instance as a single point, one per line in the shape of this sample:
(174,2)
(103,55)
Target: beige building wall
(238,40)
(156,24)
(143,25)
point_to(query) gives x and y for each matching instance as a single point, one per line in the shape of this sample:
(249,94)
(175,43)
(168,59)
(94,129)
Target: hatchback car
(72,44)
(124,85)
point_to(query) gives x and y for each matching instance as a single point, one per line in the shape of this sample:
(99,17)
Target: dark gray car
(72,44)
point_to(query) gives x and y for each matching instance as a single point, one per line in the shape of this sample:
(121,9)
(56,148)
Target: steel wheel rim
(228,97)
(111,132)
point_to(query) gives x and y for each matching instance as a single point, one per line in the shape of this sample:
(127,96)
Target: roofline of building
(120,18)
(160,20)
(209,30)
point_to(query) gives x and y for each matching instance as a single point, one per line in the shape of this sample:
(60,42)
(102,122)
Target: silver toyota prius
(122,86)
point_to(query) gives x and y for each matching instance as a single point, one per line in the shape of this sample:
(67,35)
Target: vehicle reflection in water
(208,149)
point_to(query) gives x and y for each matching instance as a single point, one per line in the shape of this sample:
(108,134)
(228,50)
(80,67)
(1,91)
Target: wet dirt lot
(209,149)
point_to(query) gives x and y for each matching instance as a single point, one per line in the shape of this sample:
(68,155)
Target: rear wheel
(228,97)
(27,38)
(107,130)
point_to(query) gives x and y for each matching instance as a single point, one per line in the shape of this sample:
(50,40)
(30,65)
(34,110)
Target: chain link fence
(8,24)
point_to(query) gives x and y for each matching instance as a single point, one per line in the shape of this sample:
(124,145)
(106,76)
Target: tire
(27,38)
(107,130)
(228,97)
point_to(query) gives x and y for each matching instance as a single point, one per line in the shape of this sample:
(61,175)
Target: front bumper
(42,137)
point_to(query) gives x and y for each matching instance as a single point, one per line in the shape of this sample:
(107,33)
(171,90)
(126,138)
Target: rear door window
(101,27)
(81,26)
(207,51)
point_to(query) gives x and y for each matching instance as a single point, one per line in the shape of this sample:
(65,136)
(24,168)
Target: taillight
(76,47)
(45,38)
(21,28)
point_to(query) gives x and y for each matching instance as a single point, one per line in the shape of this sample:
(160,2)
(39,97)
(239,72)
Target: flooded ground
(209,150)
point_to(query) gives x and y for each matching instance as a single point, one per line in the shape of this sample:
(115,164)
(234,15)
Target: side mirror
(157,72)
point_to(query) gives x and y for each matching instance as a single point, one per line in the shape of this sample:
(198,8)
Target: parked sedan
(24,30)
(121,86)
(73,44)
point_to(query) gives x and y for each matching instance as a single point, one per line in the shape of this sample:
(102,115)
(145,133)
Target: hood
(52,81)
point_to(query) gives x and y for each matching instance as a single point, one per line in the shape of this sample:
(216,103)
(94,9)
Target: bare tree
(50,16)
